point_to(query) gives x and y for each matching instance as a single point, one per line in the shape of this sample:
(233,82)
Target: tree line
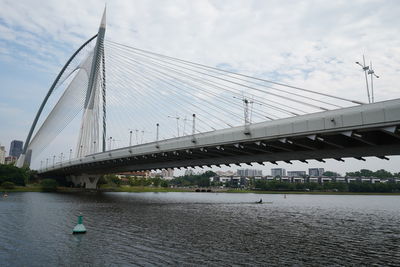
(388,187)
(368,173)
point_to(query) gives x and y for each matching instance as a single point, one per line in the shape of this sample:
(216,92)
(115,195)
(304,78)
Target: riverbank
(144,189)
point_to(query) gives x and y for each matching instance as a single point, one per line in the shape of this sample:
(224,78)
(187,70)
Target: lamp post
(372,73)
(177,122)
(109,144)
(365,69)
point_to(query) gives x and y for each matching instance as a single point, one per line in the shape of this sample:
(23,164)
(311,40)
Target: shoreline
(189,190)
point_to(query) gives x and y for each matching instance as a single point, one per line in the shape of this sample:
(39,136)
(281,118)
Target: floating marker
(79,228)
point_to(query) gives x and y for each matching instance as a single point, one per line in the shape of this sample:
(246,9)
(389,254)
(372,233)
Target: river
(186,229)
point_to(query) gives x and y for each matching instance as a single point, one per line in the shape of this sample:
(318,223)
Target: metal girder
(280,148)
(259,149)
(300,144)
(325,141)
(383,157)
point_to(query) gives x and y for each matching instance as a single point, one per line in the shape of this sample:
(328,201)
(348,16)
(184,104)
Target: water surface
(215,229)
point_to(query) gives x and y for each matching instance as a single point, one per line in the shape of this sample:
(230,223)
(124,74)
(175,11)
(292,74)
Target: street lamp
(372,73)
(365,69)
(109,144)
(130,138)
(177,122)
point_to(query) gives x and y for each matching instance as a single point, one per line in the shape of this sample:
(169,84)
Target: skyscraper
(316,172)
(2,154)
(296,173)
(249,172)
(16,148)
(278,172)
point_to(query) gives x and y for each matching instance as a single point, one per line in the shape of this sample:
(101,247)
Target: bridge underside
(356,144)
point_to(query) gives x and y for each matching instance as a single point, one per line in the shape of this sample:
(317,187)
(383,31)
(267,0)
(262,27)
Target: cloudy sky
(312,44)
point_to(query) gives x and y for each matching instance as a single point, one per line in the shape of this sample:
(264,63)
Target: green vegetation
(388,187)
(368,173)
(331,174)
(18,176)
(285,186)
(49,185)
(8,185)
(375,188)
(201,180)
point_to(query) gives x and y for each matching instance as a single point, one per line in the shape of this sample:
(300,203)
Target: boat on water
(261,202)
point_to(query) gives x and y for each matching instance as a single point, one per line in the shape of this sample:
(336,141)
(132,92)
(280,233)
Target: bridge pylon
(89,134)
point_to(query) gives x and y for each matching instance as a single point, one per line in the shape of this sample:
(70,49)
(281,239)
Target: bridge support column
(89,181)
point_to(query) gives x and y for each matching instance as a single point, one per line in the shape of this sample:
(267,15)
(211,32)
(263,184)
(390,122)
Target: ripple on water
(199,229)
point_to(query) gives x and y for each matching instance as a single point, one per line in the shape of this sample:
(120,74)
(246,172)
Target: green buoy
(79,228)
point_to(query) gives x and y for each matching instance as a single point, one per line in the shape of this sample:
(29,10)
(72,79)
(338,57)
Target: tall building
(316,172)
(296,173)
(249,172)
(10,160)
(2,154)
(278,172)
(167,173)
(15,148)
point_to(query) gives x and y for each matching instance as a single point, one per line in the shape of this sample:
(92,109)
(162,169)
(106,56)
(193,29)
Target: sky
(311,44)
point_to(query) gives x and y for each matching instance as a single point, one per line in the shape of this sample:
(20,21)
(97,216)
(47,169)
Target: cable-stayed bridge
(179,113)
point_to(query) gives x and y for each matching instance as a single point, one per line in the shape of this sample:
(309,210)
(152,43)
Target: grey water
(186,229)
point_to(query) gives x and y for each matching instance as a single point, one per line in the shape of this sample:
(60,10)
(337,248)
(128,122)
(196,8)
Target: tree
(112,179)
(383,174)
(156,181)
(10,173)
(331,174)
(49,185)
(164,183)
(366,173)
(203,182)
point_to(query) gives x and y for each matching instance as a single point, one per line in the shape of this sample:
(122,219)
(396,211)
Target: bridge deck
(365,130)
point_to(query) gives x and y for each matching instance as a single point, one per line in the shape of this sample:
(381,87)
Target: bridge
(234,118)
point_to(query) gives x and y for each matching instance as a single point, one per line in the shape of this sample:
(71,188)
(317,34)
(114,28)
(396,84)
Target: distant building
(249,172)
(227,173)
(10,160)
(316,172)
(296,173)
(278,172)
(144,174)
(2,154)
(167,174)
(15,148)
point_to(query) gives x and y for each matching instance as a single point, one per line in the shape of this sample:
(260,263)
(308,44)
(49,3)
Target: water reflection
(199,229)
